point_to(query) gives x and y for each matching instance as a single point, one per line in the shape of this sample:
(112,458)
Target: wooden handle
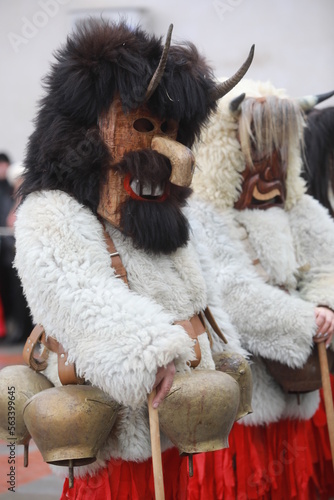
(156,448)
(328,397)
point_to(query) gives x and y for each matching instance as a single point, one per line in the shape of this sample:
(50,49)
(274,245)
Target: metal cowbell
(18,383)
(237,367)
(70,423)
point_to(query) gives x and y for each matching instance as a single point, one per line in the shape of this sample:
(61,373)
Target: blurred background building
(294,44)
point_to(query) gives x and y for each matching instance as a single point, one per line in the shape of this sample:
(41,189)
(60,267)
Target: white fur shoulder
(116,337)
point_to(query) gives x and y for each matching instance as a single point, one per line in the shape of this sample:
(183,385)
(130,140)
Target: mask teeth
(146,189)
(135,186)
(158,190)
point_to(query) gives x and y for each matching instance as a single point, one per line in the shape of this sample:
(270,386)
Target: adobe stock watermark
(224,7)
(11,474)
(73,157)
(288,454)
(31,27)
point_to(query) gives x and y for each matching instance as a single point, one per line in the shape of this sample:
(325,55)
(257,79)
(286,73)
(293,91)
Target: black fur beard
(157,227)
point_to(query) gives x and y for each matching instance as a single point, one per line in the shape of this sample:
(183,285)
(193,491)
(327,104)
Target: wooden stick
(156,448)
(328,397)
(26,455)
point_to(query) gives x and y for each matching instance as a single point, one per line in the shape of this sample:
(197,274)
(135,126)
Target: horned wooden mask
(268,126)
(263,182)
(133,131)
(140,129)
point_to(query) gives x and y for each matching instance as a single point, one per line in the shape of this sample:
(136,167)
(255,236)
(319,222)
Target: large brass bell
(237,367)
(198,413)
(70,423)
(299,380)
(18,383)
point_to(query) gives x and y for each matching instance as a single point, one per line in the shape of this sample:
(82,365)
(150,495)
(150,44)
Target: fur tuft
(98,61)
(269,125)
(319,155)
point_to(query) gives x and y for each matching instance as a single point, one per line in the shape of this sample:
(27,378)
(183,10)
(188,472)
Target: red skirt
(132,481)
(289,459)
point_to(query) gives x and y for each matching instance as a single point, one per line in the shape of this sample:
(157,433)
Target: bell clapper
(70,474)
(25,455)
(191,465)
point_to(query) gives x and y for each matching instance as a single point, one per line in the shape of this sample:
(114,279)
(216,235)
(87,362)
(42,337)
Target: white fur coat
(274,324)
(116,336)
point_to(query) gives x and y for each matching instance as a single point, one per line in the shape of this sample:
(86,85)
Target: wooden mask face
(136,131)
(264,182)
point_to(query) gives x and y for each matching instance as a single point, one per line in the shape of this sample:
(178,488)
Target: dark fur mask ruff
(319,154)
(99,60)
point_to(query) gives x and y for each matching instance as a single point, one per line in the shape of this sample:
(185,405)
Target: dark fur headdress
(319,154)
(102,59)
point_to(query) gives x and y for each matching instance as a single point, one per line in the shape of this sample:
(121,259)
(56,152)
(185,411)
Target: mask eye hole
(164,127)
(168,127)
(143,125)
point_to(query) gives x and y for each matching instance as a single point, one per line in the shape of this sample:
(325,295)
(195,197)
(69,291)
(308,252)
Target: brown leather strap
(66,371)
(116,261)
(213,324)
(35,361)
(50,343)
(194,328)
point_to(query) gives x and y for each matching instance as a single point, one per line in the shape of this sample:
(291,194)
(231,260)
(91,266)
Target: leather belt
(66,371)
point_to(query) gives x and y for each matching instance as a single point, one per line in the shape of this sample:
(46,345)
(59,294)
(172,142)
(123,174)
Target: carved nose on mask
(180,157)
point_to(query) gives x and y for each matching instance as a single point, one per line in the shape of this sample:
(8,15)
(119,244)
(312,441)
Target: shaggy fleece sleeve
(206,258)
(116,337)
(270,322)
(313,231)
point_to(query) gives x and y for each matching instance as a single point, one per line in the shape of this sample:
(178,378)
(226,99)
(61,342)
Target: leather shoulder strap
(116,261)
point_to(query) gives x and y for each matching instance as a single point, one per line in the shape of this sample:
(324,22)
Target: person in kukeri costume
(109,162)
(319,155)
(272,248)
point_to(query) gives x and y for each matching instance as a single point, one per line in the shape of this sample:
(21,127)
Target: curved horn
(309,101)
(235,103)
(154,82)
(224,87)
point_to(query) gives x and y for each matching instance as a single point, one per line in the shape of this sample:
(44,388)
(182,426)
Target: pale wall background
(294,45)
